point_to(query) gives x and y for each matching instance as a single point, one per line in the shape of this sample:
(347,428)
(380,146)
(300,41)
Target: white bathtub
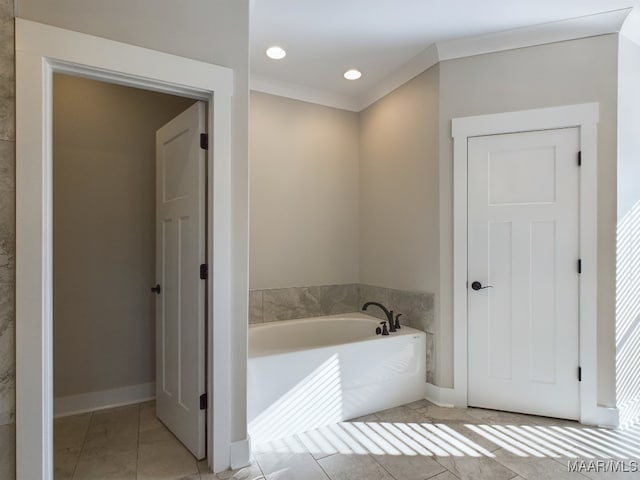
(303,374)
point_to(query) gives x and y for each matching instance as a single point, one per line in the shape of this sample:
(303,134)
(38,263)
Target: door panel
(523,242)
(180,249)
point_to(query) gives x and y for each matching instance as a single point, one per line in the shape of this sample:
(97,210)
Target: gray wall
(562,73)
(304,194)
(628,232)
(399,187)
(7,242)
(104,232)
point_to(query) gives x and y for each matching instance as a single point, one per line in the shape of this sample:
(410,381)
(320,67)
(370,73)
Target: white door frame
(42,50)
(585,117)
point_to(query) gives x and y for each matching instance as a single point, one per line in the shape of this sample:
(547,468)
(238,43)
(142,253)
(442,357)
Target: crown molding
(427,58)
(560,31)
(262,84)
(626,21)
(631,27)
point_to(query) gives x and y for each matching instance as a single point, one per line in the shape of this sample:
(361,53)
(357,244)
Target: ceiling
(323,38)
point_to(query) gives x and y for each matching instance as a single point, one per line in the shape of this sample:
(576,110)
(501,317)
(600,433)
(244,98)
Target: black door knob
(478,286)
(156,289)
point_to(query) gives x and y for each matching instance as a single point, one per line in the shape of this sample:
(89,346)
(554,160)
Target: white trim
(92,401)
(551,32)
(426,59)
(608,417)
(631,27)
(300,92)
(441,396)
(240,453)
(40,51)
(585,117)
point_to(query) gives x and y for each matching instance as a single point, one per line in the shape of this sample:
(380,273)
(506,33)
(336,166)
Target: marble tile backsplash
(303,302)
(7,241)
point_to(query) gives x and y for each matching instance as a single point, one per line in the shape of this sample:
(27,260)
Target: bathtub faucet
(387,312)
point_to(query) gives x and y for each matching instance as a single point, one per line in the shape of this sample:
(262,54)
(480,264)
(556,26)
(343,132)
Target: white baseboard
(608,417)
(441,396)
(89,402)
(240,453)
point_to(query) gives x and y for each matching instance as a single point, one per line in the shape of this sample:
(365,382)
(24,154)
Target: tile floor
(418,441)
(126,443)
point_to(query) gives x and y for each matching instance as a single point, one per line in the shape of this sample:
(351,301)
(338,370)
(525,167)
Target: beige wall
(399,187)
(104,232)
(563,73)
(304,194)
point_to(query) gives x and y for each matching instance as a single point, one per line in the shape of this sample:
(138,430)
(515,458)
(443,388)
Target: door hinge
(203,401)
(204,141)
(579,374)
(204,271)
(579,265)
(579,158)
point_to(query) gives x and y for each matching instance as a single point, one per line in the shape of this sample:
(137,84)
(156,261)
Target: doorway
(582,118)
(104,249)
(40,51)
(523,256)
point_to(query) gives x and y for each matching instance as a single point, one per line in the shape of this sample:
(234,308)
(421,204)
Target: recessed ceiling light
(276,53)
(352,74)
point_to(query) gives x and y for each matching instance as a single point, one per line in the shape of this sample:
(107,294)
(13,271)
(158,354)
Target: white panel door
(523,232)
(180,250)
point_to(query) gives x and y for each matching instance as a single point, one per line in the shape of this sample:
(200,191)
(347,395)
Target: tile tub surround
(291,303)
(7,241)
(302,302)
(306,302)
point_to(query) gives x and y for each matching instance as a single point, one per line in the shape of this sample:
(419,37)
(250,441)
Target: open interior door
(180,251)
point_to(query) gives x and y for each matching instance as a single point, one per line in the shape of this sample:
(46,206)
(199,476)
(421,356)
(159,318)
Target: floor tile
(447,475)
(70,432)
(419,404)
(252,472)
(104,463)
(536,468)
(434,414)
(409,468)
(353,467)
(418,441)
(148,418)
(372,417)
(498,417)
(400,414)
(287,459)
(470,437)
(111,428)
(317,444)
(64,463)
(161,456)
(476,468)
